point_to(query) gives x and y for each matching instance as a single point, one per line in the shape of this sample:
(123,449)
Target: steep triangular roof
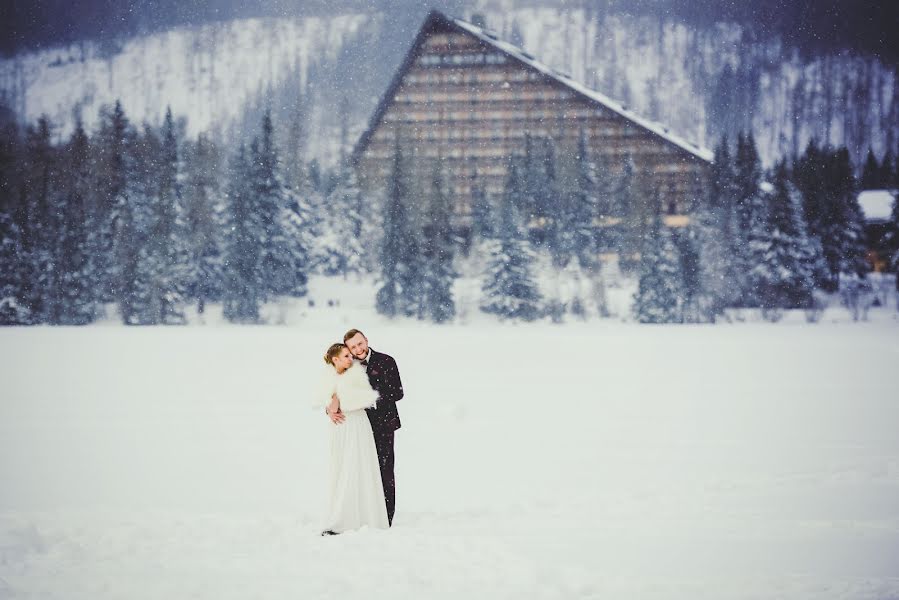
(437,19)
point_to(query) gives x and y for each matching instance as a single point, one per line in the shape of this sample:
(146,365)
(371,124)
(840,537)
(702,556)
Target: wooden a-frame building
(470,100)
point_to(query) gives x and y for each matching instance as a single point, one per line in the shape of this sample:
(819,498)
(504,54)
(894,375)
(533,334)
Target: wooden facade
(467,99)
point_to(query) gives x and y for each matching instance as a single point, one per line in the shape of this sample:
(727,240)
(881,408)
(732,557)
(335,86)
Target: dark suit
(384,377)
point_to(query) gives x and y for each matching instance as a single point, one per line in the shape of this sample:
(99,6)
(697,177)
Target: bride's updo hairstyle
(333,351)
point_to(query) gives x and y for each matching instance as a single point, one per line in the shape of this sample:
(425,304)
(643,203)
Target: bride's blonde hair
(333,351)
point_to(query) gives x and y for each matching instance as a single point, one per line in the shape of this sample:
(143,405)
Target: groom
(384,377)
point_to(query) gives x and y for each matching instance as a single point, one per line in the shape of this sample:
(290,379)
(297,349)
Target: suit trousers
(384,446)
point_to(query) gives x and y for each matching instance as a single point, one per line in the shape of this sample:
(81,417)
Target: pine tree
(133,220)
(607,232)
(284,260)
(783,275)
(205,215)
(437,272)
(41,220)
(575,251)
(243,249)
(539,201)
(76,301)
(808,177)
(578,207)
(842,235)
(747,216)
(110,176)
(339,243)
(627,214)
(585,206)
(482,227)
(713,233)
(509,290)
(748,177)
(661,283)
(398,293)
(165,264)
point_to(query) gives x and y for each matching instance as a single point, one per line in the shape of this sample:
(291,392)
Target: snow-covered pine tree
(205,215)
(76,300)
(437,274)
(574,250)
(339,243)
(296,228)
(842,236)
(41,219)
(564,235)
(607,231)
(748,212)
(243,250)
(284,259)
(627,214)
(661,282)
(687,244)
(540,187)
(481,237)
(111,145)
(825,178)
(748,174)
(509,290)
(398,294)
(585,206)
(166,261)
(782,276)
(713,231)
(808,177)
(482,226)
(133,217)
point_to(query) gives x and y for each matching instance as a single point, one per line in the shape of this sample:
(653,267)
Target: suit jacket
(384,377)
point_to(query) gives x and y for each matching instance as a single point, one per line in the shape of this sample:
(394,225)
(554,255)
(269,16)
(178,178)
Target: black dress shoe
(329,532)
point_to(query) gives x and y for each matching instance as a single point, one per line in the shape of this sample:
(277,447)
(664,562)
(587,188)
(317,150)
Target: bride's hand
(333,410)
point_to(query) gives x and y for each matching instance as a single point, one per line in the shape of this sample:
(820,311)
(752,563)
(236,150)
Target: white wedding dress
(356,495)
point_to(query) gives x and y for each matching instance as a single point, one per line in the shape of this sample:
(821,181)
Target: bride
(356,496)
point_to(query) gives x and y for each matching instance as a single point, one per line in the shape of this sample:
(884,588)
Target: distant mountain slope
(207,74)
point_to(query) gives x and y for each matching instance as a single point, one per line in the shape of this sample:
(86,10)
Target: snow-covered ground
(595,460)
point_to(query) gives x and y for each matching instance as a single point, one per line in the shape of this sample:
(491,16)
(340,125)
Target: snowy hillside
(207,74)
(597,460)
(698,82)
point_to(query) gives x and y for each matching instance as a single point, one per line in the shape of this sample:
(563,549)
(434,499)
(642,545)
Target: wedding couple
(359,390)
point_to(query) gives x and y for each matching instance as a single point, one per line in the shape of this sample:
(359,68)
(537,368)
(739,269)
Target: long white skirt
(356,496)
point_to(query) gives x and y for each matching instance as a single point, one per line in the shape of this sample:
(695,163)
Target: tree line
(761,239)
(150,222)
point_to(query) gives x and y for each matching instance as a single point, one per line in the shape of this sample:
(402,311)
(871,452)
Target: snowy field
(598,460)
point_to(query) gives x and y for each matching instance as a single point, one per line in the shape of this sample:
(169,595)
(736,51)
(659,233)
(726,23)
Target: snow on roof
(877,205)
(658,129)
